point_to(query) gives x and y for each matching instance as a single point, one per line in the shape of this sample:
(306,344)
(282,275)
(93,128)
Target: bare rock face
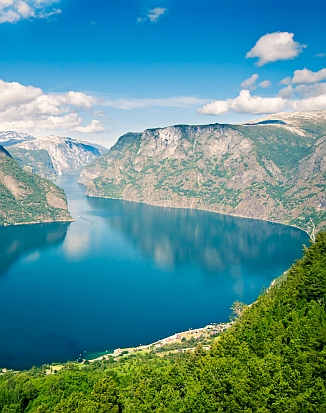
(265,170)
(8,138)
(27,198)
(50,156)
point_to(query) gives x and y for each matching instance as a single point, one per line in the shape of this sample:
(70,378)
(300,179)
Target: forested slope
(27,198)
(273,359)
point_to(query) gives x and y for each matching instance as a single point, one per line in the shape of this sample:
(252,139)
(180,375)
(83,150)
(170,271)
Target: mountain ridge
(50,156)
(260,171)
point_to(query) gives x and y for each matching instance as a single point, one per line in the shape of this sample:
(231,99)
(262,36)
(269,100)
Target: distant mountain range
(27,198)
(50,156)
(273,168)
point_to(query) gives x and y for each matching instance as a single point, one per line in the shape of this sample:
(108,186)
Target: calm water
(126,274)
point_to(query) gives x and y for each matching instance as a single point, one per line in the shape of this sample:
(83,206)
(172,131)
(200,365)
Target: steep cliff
(27,198)
(37,161)
(272,170)
(50,156)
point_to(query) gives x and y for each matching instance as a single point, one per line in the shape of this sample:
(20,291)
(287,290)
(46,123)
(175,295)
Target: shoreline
(215,328)
(175,338)
(38,222)
(198,209)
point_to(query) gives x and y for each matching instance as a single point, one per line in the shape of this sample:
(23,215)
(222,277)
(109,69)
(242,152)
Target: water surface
(125,274)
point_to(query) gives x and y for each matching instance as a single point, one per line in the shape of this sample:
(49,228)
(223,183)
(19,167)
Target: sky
(94,70)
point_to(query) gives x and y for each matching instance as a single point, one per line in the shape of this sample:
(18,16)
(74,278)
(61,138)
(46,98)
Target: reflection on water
(125,273)
(175,238)
(17,241)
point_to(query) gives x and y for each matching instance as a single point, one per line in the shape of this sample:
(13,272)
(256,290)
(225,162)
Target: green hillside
(271,172)
(27,198)
(273,359)
(35,161)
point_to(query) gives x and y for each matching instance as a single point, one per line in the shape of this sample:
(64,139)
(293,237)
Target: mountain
(50,156)
(27,198)
(311,124)
(9,138)
(272,169)
(36,161)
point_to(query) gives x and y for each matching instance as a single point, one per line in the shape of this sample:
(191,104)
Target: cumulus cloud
(152,15)
(250,82)
(12,94)
(287,92)
(244,103)
(307,76)
(303,97)
(175,101)
(309,104)
(308,91)
(11,11)
(286,81)
(265,83)
(28,108)
(94,126)
(275,46)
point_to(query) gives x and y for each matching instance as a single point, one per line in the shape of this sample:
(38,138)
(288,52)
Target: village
(203,333)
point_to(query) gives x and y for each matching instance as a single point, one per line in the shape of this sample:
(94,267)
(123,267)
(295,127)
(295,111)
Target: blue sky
(97,69)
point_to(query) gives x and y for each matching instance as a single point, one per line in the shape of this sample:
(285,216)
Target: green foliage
(23,196)
(218,167)
(35,161)
(283,147)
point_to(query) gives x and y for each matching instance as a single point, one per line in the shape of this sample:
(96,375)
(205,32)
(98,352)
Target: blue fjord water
(125,274)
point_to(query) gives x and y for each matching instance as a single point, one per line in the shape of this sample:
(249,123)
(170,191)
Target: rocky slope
(27,198)
(273,169)
(36,161)
(8,138)
(311,124)
(50,156)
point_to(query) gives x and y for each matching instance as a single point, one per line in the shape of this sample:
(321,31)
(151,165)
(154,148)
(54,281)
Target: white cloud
(287,92)
(320,55)
(265,83)
(309,104)
(244,103)
(153,14)
(275,46)
(27,108)
(42,123)
(307,76)
(176,101)
(308,91)
(156,13)
(250,82)
(304,97)
(16,94)
(286,80)
(11,11)
(219,107)
(94,126)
